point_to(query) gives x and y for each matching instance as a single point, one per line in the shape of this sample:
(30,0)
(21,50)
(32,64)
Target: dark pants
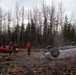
(14,50)
(29,52)
(10,52)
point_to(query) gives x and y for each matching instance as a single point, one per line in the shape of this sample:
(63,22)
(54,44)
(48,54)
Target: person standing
(14,47)
(10,48)
(28,49)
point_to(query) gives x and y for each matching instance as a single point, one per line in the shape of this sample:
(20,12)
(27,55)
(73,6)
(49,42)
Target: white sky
(69,5)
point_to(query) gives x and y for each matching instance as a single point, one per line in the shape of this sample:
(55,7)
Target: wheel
(55,52)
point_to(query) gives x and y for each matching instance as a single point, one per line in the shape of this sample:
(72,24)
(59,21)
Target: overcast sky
(69,5)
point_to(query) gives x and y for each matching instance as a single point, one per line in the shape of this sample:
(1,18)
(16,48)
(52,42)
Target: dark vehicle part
(49,47)
(55,52)
(0,51)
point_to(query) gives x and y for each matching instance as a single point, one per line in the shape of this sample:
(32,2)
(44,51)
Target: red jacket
(10,47)
(28,45)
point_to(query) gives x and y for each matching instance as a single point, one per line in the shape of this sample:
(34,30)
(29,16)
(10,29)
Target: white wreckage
(66,52)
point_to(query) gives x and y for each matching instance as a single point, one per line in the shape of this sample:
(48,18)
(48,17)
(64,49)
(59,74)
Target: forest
(47,25)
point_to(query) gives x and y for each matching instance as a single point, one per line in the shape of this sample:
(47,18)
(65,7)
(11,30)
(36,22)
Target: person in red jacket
(29,48)
(10,48)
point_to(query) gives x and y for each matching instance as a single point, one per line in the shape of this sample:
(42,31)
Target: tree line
(46,26)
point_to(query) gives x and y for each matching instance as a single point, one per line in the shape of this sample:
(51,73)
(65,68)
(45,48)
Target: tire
(55,52)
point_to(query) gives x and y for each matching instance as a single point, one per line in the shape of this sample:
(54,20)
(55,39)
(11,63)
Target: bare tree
(9,23)
(17,28)
(0,26)
(17,13)
(35,18)
(23,15)
(61,18)
(40,26)
(22,27)
(45,14)
(4,23)
(52,23)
